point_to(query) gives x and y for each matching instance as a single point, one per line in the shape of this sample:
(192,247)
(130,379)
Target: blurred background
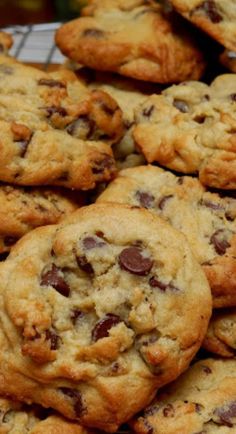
(21,12)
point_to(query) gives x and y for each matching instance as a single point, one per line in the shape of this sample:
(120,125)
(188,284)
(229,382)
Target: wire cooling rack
(35,44)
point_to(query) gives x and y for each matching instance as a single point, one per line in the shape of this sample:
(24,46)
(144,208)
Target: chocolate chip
(55,109)
(75,315)
(108,110)
(155,283)
(9,240)
(91,243)
(54,278)
(233,96)
(76,397)
(148,427)
(132,260)
(226,413)
(54,338)
(211,10)
(168,411)
(182,106)
(180,180)
(200,119)
(219,242)
(206,369)
(148,111)
(99,166)
(93,33)
(82,127)
(198,408)
(145,199)
(84,264)
(51,83)
(210,204)
(101,329)
(163,201)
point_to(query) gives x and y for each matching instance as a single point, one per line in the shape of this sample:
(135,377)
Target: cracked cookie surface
(216,17)
(206,219)
(201,401)
(53,130)
(99,312)
(135,39)
(190,128)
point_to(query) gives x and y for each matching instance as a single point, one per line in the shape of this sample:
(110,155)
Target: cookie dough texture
(221,334)
(206,219)
(203,400)
(99,312)
(23,209)
(190,128)
(136,39)
(53,130)
(216,17)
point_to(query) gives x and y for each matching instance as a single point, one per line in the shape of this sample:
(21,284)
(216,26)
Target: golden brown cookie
(136,39)
(99,312)
(221,334)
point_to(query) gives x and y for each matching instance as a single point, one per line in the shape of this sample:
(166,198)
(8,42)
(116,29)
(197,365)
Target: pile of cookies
(118,225)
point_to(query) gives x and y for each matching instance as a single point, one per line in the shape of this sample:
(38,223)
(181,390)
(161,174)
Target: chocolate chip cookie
(23,209)
(190,128)
(221,334)
(216,17)
(206,219)
(99,312)
(201,401)
(136,39)
(16,418)
(53,130)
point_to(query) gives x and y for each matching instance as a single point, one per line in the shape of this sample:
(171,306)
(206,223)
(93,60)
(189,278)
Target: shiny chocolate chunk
(182,106)
(101,329)
(219,241)
(226,415)
(133,260)
(84,264)
(156,283)
(145,199)
(92,242)
(76,398)
(54,338)
(54,278)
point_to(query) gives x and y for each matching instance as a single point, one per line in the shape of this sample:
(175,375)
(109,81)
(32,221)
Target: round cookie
(17,418)
(216,17)
(99,312)
(206,219)
(136,39)
(190,128)
(201,401)
(54,131)
(221,334)
(23,209)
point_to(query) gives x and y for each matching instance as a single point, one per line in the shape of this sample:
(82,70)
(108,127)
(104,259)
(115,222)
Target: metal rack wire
(35,44)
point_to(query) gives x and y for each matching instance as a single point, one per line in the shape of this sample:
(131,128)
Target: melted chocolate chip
(155,283)
(163,201)
(145,199)
(51,83)
(168,411)
(99,166)
(84,264)
(182,106)
(206,369)
(54,338)
(132,260)
(91,243)
(76,397)
(219,242)
(93,33)
(53,278)
(212,205)
(76,314)
(200,119)
(226,414)
(101,329)
(9,240)
(53,109)
(211,10)
(148,111)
